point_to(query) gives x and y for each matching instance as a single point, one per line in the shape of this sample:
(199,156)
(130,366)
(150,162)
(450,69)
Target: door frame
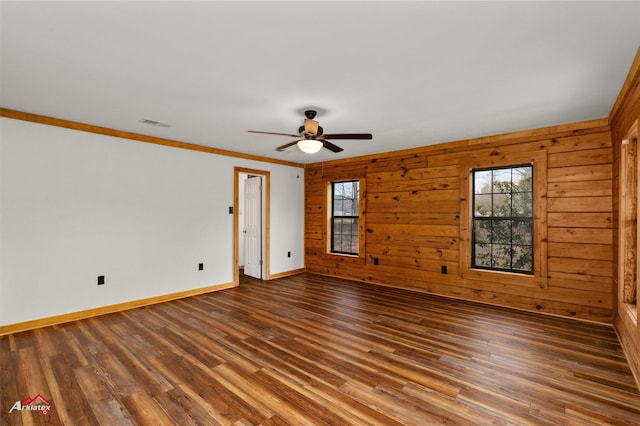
(266,209)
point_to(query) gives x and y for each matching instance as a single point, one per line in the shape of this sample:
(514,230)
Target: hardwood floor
(313,350)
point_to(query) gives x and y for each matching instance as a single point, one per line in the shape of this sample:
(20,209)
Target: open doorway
(251,223)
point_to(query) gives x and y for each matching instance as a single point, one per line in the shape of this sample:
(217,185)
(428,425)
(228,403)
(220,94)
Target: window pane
(501,256)
(522,232)
(502,205)
(482,182)
(482,255)
(523,179)
(482,205)
(338,197)
(501,232)
(522,204)
(502,180)
(522,258)
(352,194)
(482,231)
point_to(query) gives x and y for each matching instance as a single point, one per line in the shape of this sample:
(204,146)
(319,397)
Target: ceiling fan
(311,137)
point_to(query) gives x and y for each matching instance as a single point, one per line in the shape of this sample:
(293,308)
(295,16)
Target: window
(345,202)
(473,266)
(502,235)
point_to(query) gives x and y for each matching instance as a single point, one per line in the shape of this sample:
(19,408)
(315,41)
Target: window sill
(631,311)
(355,256)
(345,258)
(503,277)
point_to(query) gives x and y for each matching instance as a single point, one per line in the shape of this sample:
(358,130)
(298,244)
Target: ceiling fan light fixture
(309,146)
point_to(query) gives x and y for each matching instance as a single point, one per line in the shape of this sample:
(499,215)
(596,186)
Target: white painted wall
(286,220)
(75,205)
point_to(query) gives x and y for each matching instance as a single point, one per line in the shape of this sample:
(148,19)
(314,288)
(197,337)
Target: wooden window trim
(629,215)
(539,278)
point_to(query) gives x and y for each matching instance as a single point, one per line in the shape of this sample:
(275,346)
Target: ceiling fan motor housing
(308,132)
(311,128)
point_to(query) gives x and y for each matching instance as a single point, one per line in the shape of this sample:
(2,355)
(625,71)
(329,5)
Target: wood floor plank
(138,367)
(102,399)
(145,410)
(64,387)
(309,349)
(72,351)
(447,406)
(193,385)
(183,410)
(9,392)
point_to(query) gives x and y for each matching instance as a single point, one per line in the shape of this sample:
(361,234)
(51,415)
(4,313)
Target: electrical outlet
(443,269)
(200,266)
(376,261)
(100,279)
(288,254)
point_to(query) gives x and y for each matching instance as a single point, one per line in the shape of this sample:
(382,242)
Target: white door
(253,227)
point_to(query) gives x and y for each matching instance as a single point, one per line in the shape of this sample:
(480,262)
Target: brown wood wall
(624,115)
(412,220)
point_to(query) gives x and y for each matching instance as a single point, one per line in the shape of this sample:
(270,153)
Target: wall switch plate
(443,269)
(231,210)
(100,279)
(376,261)
(288,254)
(200,266)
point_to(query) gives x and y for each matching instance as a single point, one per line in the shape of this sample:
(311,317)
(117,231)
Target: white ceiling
(412,73)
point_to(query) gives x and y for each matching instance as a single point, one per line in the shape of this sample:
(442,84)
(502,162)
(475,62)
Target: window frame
(539,278)
(496,219)
(332,230)
(328,208)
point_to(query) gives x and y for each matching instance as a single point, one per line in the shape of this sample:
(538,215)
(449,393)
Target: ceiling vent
(155,123)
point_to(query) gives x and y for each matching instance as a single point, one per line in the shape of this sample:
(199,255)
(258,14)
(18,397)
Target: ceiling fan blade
(273,133)
(287,145)
(349,136)
(331,147)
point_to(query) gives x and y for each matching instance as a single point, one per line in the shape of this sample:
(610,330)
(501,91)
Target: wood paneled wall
(624,117)
(413,217)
